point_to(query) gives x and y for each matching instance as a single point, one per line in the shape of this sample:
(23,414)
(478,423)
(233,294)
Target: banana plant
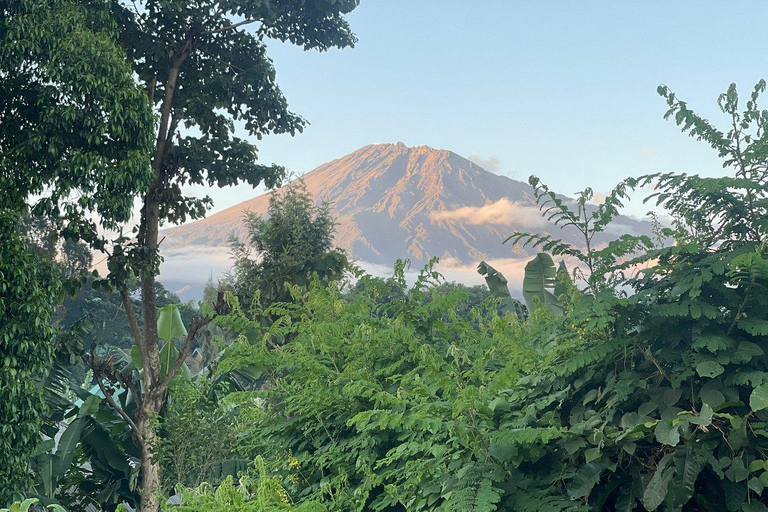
(497,284)
(539,284)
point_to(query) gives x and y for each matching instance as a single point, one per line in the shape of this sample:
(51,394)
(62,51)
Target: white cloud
(647,153)
(193,265)
(502,212)
(491,163)
(598,198)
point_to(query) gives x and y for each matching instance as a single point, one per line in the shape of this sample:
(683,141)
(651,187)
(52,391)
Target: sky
(564,90)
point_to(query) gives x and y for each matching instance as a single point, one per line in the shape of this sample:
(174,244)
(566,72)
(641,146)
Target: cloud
(491,163)
(502,212)
(647,153)
(193,265)
(598,198)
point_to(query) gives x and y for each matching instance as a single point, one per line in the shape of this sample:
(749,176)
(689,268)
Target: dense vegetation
(636,380)
(646,390)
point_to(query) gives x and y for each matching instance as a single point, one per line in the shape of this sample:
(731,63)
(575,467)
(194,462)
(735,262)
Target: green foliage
(497,284)
(251,494)
(199,436)
(292,244)
(72,120)
(539,284)
(387,406)
(28,289)
(602,265)
(651,396)
(25,506)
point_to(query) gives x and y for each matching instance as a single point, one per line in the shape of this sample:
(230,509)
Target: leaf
(540,276)
(169,324)
(709,369)
(745,352)
(168,356)
(758,400)
(735,495)
(688,465)
(497,284)
(90,406)
(712,397)
(136,357)
(585,479)
(667,433)
(658,486)
(65,451)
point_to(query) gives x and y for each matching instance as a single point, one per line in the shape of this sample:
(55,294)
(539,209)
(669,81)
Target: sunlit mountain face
(392,201)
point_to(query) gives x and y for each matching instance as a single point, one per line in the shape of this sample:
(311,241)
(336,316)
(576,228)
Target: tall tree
(75,136)
(292,243)
(204,67)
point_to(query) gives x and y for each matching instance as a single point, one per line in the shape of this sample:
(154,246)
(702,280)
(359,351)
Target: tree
(28,288)
(292,243)
(74,146)
(204,67)
(73,124)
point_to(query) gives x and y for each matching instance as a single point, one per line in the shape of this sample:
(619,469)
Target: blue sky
(565,90)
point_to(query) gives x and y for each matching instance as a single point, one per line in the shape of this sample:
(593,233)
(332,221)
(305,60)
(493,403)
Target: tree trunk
(149,345)
(150,469)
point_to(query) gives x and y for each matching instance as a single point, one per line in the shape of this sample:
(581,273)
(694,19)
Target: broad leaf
(169,324)
(539,282)
(658,486)
(585,479)
(758,400)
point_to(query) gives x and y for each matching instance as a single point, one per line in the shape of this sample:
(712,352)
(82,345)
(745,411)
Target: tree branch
(119,409)
(132,320)
(230,27)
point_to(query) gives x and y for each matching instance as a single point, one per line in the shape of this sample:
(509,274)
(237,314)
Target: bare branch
(230,27)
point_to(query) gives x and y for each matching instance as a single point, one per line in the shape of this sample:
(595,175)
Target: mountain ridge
(393,201)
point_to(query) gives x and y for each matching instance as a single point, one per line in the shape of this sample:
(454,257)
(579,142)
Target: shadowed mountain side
(393,201)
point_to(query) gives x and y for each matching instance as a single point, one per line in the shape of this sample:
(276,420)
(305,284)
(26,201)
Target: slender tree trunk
(150,469)
(154,388)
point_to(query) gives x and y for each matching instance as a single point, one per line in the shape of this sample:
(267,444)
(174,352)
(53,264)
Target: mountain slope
(394,201)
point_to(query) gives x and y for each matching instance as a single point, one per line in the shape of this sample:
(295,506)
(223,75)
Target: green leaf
(136,357)
(90,406)
(658,486)
(66,448)
(688,465)
(585,479)
(667,433)
(169,324)
(755,506)
(709,369)
(540,277)
(758,400)
(735,495)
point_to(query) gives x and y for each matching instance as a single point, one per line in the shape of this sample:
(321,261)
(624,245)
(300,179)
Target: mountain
(393,201)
